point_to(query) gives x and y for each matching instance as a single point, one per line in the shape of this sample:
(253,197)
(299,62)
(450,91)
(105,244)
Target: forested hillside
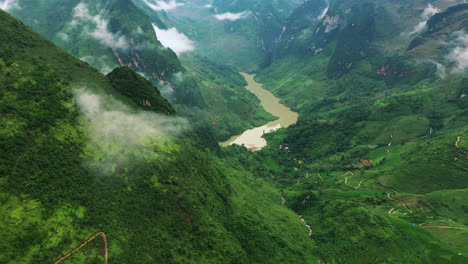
(383,107)
(374,171)
(117,33)
(111,34)
(84,153)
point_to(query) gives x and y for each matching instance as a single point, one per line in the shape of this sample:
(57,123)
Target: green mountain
(439,27)
(107,35)
(140,90)
(118,34)
(82,153)
(230,108)
(374,171)
(374,156)
(237,33)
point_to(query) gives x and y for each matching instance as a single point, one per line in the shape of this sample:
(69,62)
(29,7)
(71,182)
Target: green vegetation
(162,198)
(372,164)
(140,90)
(125,37)
(246,44)
(449,203)
(450,20)
(374,171)
(231,108)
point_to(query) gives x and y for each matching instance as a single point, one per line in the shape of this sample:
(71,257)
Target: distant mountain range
(111,118)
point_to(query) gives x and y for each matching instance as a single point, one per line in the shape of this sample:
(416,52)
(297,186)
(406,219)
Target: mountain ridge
(79,157)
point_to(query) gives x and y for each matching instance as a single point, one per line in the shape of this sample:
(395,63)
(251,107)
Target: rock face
(300,26)
(77,163)
(353,39)
(439,27)
(110,35)
(331,23)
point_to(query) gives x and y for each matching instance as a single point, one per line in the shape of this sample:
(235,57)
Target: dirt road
(106,251)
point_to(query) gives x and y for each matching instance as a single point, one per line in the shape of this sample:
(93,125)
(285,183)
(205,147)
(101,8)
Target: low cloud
(139,31)
(232,16)
(167,90)
(209,6)
(99,63)
(162,5)
(98,28)
(458,56)
(173,39)
(441,72)
(8,5)
(118,134)
(167,87)
(428,12)
(179,77)
(63,36)
(324,12)
(456,59)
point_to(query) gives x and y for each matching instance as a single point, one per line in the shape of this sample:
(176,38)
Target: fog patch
(99,63)
(325,10)
(179,77)
(99,29)
(167,90)
(323,14)
(456,59)
(63,36)
(173,39)
(118,134)
(162,5)
(428,12)
(441,71)
(139,31)
(167,87)
(144,75)
(458,55)
(232,16)
(8,5)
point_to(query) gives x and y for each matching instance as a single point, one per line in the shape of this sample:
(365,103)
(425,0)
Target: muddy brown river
(253,138)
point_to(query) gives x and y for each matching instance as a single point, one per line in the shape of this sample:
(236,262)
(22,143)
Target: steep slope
(268,18)
(299,27)
(140,90)
(438,30)
(241,34)
(231,108)
(81,155)
(118,34)
(380,145)
(107,35)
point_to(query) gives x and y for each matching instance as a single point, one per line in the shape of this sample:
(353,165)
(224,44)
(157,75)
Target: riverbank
(253,138)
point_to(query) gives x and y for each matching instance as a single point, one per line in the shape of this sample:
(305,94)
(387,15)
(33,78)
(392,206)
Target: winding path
(457,144)
(307,225)
(349,185)
(442,227)
(352,173)
(400,201)
(389,197)
(106,251)
(318,174)
(359,185)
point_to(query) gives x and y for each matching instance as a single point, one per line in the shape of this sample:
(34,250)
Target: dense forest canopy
(112,113)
